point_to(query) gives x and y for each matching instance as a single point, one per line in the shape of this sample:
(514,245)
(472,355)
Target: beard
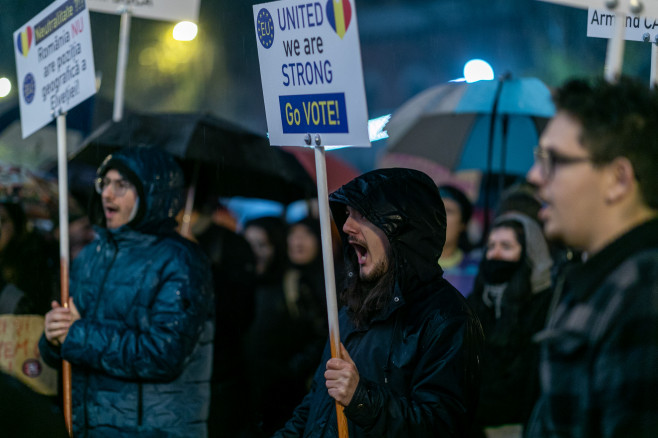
(378,271)
(367,295)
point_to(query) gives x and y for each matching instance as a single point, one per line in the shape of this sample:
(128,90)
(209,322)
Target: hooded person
(511,297)
(459,264)
(138,329)
(409,354)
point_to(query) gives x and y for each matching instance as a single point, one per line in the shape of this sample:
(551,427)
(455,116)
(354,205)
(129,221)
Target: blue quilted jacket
(142,350)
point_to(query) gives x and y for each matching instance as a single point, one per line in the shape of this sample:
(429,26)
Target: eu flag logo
(265,28)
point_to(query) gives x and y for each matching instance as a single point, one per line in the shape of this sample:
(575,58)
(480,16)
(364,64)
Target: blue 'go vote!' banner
(320,113)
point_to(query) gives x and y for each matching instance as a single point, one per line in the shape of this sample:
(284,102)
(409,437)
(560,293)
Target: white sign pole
(329,277)
(122,64)
(615,53)
(62,174)
(63,187)
(654,61)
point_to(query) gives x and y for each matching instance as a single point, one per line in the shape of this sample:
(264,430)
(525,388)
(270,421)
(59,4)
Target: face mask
(499,271)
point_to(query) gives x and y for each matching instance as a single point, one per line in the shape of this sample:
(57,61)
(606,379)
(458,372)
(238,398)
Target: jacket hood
(536,250)
(159,183)
(407,206)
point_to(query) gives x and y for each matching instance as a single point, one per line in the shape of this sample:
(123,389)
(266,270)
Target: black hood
(159,183)
(407,206)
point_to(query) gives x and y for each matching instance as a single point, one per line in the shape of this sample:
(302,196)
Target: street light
(478,70)
(5,87)
(185,31)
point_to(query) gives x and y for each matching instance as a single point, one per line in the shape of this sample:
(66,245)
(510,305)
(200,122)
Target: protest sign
(19,352)
(310,63)
(54,63)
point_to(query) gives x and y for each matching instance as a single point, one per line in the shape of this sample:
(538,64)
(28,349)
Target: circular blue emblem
(265,28)
(29,88)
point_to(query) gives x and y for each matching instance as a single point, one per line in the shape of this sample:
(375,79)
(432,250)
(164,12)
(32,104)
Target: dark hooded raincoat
(418,358)
(142,351)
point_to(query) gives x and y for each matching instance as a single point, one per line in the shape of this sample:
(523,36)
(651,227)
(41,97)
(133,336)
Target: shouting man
(410,345)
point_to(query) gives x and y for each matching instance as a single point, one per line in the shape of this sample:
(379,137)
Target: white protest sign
(310,65)
(648,8)
(166,10)
(54,63)
(600,24)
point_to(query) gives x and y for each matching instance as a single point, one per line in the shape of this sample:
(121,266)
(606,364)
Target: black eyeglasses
(548,160)
(119,186)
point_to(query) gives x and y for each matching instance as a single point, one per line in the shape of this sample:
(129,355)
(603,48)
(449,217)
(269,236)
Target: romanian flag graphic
(24,41)
(339,14)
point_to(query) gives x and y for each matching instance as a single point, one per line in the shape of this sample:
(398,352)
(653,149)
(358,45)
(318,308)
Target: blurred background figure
(305,295)
(233,269)
(270,342)
(459,263)
(290,329)
(29,264)
(511,297)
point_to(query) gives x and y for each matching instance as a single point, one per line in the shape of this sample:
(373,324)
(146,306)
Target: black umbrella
(229,160)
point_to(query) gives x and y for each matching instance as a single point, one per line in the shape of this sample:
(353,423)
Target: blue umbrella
(490,126)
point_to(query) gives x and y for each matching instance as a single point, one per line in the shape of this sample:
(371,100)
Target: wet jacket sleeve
(436,405)
(176,318)
(49,353)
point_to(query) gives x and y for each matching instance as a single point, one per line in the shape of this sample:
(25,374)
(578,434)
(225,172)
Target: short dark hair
(448,191)
(618,120)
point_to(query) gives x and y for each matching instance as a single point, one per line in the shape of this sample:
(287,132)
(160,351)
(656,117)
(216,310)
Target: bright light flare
(5,87)
(478,70)
(185,31)
(376,128)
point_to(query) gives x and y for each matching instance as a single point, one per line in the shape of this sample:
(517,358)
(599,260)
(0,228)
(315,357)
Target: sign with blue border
(310,64)
(54,63)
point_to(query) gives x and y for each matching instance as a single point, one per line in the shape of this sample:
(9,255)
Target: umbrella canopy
(232,161)
(451,124)
(339,172)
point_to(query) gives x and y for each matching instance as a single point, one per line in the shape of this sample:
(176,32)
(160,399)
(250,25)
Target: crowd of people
(548,327)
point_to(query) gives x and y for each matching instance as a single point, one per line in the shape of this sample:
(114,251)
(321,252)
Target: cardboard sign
(600,24)
(19,352)
(54,63)
(310,64)
(166,10)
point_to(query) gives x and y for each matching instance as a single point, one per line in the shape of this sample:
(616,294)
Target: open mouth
(361,252)
(110,211)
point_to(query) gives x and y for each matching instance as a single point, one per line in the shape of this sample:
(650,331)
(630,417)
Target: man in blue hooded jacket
(411,345)
(138,329)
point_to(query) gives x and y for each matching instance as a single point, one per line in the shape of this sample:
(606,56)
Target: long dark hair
(364,299)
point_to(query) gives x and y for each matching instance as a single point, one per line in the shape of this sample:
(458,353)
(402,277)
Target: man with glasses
(138,329)
(597,172)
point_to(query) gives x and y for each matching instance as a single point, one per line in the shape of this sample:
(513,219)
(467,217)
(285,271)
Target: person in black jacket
(410,350)
(511,298)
